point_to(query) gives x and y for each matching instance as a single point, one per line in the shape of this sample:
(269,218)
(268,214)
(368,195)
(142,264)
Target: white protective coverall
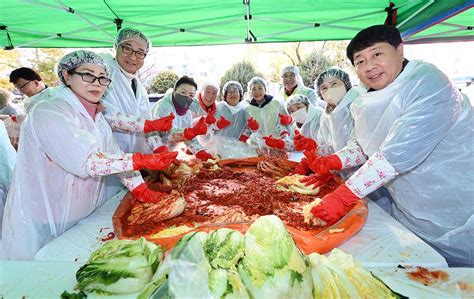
(269,122)
(7,163)
(163,108)
(418,133)
(336,127)
(52,187)
(225,142)
(311,125)
(119,97)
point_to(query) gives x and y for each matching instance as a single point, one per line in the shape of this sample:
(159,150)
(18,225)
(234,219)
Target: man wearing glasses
(29,83)
(126,97)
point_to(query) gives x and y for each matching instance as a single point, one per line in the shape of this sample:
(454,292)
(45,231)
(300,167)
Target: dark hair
(25,73)
(372,35)
(185,80)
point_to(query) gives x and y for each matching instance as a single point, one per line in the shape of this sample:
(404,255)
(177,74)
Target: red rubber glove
(153,161)
(189,134)
(144,194)
(210,119)
(317,179)
(285,119)
(303,143)
(161,149)
(222,122)
(203,155)
(243,138)
(13,118)
(274,142)
(332,208)
(252,124)
(200,128)
(163,124)
(323,164)
(302,168)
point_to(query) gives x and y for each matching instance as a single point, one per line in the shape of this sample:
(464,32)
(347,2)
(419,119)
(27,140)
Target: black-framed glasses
(129,51)
(89,78)
(23,86)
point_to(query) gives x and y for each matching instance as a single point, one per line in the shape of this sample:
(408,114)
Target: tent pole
(72,11)
(10,44)
(415,13)
(248,16)
(435,34)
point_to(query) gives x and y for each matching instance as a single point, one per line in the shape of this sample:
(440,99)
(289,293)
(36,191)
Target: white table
(383,242)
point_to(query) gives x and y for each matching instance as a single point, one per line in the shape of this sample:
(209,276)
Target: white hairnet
(332,72)
(293,69)
(206,84)
(128,34)
(233,83)
(289,69)
(295,99)
(258,80)
(74,59)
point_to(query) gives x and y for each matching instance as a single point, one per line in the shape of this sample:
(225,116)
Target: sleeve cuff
(372,175)
(131,179)
(351,156)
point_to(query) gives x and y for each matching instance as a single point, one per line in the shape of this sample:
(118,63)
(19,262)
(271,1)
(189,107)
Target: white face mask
(299,115)
(335,94)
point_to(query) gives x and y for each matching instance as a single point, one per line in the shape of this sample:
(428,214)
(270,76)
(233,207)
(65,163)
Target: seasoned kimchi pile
(223,195)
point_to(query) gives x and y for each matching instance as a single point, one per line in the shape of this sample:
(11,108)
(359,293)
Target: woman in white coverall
(293,84)
(231,125)
(414,134)
(273,123)
(336,123)
(178,102)
(66,149)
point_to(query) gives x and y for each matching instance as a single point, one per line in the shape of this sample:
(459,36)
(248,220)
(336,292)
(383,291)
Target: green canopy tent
(446,27)
(93,23)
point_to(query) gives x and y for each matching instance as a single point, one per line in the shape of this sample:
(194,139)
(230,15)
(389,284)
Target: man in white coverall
(414,134)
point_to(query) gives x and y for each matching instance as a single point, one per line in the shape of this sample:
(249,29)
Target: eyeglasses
(23,86)
(89,78)
(129,51)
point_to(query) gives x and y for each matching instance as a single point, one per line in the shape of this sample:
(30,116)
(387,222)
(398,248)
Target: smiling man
(414,131)
(126,94)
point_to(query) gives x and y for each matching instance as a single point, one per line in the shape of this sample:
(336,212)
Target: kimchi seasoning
(248,194)
(427,277)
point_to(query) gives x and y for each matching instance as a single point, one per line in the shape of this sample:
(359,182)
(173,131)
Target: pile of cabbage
(263,263)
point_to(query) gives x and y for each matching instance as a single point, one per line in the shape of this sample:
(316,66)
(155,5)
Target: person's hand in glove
(317,179)
(274,142)
(285,119)
(243,138)
(332,207)
(252,124)
(203,155)
(323,164)
(199,129)
(161,149)
(189,134)
(153,161)
(210,119)
(163,124)
(222,122)
(144,194)
(303,143)
(302,167)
